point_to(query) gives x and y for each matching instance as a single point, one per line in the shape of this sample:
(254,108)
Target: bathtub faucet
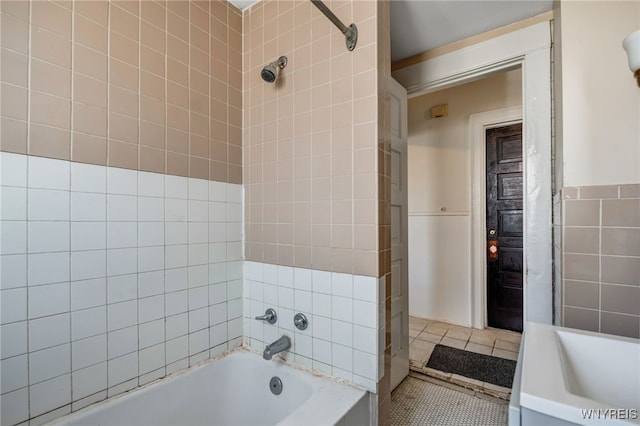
(282,344)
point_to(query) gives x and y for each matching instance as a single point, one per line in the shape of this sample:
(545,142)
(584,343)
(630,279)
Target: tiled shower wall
(601,258)
(310,139)
(142,85)
(121,251)
(384,199)
(111,278)
(346,327)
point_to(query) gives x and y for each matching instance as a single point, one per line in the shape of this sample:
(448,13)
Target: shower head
(270,72)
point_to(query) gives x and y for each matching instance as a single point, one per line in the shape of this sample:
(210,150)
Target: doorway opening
(446,196)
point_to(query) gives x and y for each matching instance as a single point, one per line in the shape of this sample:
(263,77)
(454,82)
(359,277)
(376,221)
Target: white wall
(439,178)
(600,98)
(111,278)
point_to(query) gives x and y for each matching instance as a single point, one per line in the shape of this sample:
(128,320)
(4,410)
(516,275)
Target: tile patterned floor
(425,334)
(423,401)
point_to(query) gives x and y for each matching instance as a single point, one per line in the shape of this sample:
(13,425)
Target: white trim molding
(529,49)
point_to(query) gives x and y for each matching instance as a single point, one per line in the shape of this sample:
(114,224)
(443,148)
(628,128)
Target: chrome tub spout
(280,345)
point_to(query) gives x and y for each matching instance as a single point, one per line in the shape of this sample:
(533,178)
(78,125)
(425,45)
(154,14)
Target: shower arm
(350,32)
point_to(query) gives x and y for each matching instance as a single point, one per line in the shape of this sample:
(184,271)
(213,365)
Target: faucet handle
(269,316)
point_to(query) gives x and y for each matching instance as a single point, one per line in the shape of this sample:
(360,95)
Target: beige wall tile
(89,119)
(178,118)
(123,128)
(621,212)
(15,33)
(176,25)
(581,212)
(89,149)
(14,67)
(180,8)
(621,241)
(570,193)
(89,62)
(598,192)
(50,47)
(95,10)
(154,13)
(199,124)
(124,49)
(177,49)
(621,270)
(131,6)
(122,154)
(87,33)
(123,101)
(218,151)
(582,294)
(199,147)
(152,160)
(16,8)
(618,274)
(621,298)
(51,79)
(581,240)
(128,81)
(89,91)
(152,61)
(365,237)
(13,135)
(177,141)
(50,110)
(584,319)
(199,103)
(123,75)
(152,110)
(219,11)
(234,174)
(218,171)
(14,102)
(199,38)
(178,95)
(152,85)
(622,325)
(49,142)
(153,37)
(177,164)
(152,135)
(122,21)
(630,191)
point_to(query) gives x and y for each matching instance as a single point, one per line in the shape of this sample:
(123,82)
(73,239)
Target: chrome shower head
(270,72)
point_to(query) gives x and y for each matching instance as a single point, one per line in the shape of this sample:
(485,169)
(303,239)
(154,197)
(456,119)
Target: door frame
(530,49)
(478,125)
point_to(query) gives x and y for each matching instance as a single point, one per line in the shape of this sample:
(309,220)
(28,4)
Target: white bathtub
(233,390)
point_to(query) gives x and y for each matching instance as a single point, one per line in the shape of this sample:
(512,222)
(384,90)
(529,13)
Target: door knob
(492,232)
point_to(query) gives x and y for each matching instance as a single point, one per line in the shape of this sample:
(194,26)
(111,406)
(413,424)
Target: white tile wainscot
(110,278)
(345,337)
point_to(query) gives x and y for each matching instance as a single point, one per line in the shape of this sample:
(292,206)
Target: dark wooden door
(504,227)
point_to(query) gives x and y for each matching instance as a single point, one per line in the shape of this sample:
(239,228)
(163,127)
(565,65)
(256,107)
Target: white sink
(580,377)
(601,368)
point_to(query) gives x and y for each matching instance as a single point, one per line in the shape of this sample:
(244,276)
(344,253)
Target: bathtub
(234,390)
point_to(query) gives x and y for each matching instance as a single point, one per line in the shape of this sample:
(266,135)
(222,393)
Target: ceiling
(421,25)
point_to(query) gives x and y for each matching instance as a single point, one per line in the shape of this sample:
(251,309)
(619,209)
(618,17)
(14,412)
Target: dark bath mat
(486,368)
